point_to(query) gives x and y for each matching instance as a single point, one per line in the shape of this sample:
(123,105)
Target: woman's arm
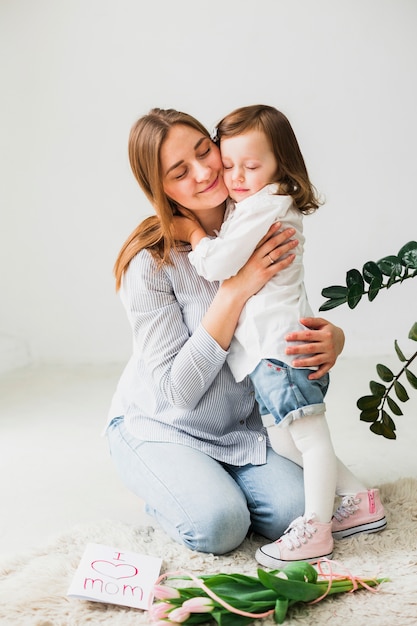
(182,354)
(165,307)
(324,341)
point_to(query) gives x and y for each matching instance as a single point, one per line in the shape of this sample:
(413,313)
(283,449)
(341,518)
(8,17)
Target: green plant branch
(388,271)
(373,406)
(396,377)
(382,274)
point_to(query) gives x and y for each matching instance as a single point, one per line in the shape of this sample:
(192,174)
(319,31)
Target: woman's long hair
(145,140)
(292,174)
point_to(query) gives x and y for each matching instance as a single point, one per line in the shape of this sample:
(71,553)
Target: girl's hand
(185,228)
(324,341)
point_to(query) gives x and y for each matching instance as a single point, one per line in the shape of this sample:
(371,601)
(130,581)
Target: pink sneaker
(304,540)
(362,513)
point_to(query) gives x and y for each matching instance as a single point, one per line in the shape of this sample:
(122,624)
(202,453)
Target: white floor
(55,469)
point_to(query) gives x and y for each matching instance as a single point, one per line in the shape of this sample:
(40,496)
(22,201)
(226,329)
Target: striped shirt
(177,386)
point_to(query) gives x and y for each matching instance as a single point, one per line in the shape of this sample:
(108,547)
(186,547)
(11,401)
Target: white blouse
(277,308)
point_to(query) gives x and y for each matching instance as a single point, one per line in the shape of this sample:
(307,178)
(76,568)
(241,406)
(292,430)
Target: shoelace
(348,507)
(298,532)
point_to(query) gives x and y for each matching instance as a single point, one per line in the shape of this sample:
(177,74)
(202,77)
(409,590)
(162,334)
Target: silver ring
(272,260)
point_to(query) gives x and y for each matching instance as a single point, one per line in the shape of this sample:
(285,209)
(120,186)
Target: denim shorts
(286,393)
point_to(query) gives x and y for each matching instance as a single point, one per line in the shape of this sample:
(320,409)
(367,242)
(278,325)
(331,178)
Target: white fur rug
(33,586)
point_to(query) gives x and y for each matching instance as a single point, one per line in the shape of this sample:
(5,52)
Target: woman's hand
(272,255)
(222,317)
(324,341)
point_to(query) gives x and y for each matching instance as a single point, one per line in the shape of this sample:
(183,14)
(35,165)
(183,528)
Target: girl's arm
(222,317)
(222,257)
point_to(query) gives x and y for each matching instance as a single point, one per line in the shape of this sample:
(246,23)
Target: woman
(185,437)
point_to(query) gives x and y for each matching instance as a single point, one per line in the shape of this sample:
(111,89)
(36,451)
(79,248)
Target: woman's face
(192,169)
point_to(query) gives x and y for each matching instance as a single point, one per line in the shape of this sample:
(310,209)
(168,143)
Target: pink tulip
(179,615)
(159,611)
(163,592)
(199,605)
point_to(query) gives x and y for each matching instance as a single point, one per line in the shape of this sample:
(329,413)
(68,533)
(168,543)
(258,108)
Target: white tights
(307,442)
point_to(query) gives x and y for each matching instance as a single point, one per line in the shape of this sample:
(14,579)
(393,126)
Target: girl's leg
(347,482)
(283,443)
(195,500)
(309,536)
(312,438)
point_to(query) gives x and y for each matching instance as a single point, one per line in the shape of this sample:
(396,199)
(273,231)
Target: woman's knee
(213,517)
(218,530)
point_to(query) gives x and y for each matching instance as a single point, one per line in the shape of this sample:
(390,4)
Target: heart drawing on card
(121,570)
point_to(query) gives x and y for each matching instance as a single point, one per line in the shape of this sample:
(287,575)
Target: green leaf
(332,304)
(290,589)
(335,292)
(355,285)
(337,295)
(387,432)
(388,421)
(391,281)
(399,352)
(384,373)
(376,428)
(408,255)
(413,332)
(354,277)
(394,406)
(401,391)
(355,294)
(381,429)
(372,274)
(281,608)
(411,378)
(373,291)
(225,618)
(377,389)
(368,402)
(300,570)
(229,583)
(390,266)
(369,416)
(202,618)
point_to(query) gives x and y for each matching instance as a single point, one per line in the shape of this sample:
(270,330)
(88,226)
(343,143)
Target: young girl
(267,181)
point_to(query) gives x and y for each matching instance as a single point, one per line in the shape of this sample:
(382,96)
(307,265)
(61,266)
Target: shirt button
(241,421)
(260,438)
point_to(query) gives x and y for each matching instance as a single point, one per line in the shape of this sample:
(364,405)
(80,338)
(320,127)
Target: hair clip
(213,135)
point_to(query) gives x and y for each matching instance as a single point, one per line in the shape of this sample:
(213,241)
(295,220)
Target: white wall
(75,74)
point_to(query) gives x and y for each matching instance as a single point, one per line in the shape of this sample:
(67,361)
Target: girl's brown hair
(145,140)
(292,174)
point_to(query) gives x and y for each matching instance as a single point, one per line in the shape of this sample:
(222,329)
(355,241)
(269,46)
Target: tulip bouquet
(237,599)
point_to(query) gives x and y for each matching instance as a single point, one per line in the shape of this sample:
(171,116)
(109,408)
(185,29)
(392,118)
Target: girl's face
(249,164)
(192,169)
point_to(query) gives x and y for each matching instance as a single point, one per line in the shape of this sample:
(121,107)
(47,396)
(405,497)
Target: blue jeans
(204,504)
(286,393)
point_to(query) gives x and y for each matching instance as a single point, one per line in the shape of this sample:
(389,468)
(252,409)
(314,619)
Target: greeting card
(114,576)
